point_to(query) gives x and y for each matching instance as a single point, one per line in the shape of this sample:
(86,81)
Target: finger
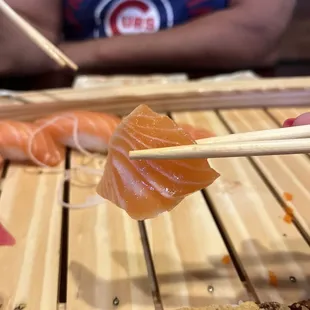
(303,119)
(289,122)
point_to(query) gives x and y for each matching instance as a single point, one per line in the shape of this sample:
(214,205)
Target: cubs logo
(123,17)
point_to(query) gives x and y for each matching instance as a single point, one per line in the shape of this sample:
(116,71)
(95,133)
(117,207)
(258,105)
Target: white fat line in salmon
(51,122)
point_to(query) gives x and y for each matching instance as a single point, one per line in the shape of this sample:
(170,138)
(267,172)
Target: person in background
(137,34)
(303,119)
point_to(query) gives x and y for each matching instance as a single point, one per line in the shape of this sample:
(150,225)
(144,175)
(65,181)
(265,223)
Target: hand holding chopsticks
(292,140)
(51,50)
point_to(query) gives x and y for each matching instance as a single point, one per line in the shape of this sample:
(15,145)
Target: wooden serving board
(201,94)
(219,246)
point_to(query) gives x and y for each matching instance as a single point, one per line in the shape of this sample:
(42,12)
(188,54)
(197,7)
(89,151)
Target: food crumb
(288,217)
(273,280)
(289,210)
(287,196)
(226,259)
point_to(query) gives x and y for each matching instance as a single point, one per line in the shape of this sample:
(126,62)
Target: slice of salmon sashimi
(147,188)
(197,132)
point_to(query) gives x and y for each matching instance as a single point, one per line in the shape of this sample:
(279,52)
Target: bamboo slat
(90,81)
(106,259)
(253,221)
(225,86)
(287,174)
(164,97)
(187,250)
(30,211)
(282,114)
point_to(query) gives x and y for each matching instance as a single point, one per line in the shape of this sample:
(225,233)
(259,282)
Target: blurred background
(294,59)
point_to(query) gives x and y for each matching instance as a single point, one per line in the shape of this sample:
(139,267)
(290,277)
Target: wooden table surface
(227,243)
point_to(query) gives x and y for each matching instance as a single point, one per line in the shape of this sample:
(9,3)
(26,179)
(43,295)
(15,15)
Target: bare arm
(244,35)
(18,54)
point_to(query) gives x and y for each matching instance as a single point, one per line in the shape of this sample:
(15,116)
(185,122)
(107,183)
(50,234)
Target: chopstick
(51,50)
(261,135)
(281,141)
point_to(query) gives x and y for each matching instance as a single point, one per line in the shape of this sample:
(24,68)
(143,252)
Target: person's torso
(85,19)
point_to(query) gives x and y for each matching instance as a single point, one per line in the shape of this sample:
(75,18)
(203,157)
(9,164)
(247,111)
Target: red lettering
(150,24)
(138,23)
(127,21)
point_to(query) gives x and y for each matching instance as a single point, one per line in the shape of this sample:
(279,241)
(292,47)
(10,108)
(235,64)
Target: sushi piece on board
(197,132)
(93,129)
(146,188)
(25,142)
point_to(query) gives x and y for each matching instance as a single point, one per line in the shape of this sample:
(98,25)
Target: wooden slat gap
(241,273)
(230,247)
(3,173)
(282,203)
(269,185)
(63,261)
(277,122)
(150,266)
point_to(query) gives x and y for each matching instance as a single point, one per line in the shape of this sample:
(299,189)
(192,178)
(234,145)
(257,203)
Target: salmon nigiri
(197,132)
(26,142)
(146,188)
(93,129)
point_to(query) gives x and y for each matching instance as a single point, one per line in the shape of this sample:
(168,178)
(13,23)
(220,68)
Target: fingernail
(289,122)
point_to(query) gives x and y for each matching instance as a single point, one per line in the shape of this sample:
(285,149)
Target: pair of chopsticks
(51,50)
(291,140)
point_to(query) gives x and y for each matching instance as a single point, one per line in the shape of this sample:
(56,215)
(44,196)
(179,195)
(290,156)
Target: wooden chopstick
(295,140)
(261,135)
(218,150)
(51,50)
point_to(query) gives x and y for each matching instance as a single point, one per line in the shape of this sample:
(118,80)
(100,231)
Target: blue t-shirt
(85,19)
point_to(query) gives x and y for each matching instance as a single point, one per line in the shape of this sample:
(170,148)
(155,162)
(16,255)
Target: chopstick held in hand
(51,50)
(294,140)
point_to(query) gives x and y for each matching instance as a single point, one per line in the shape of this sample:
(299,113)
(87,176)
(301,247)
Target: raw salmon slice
(197,132)
(146,188)
(94,129)
(21,142)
